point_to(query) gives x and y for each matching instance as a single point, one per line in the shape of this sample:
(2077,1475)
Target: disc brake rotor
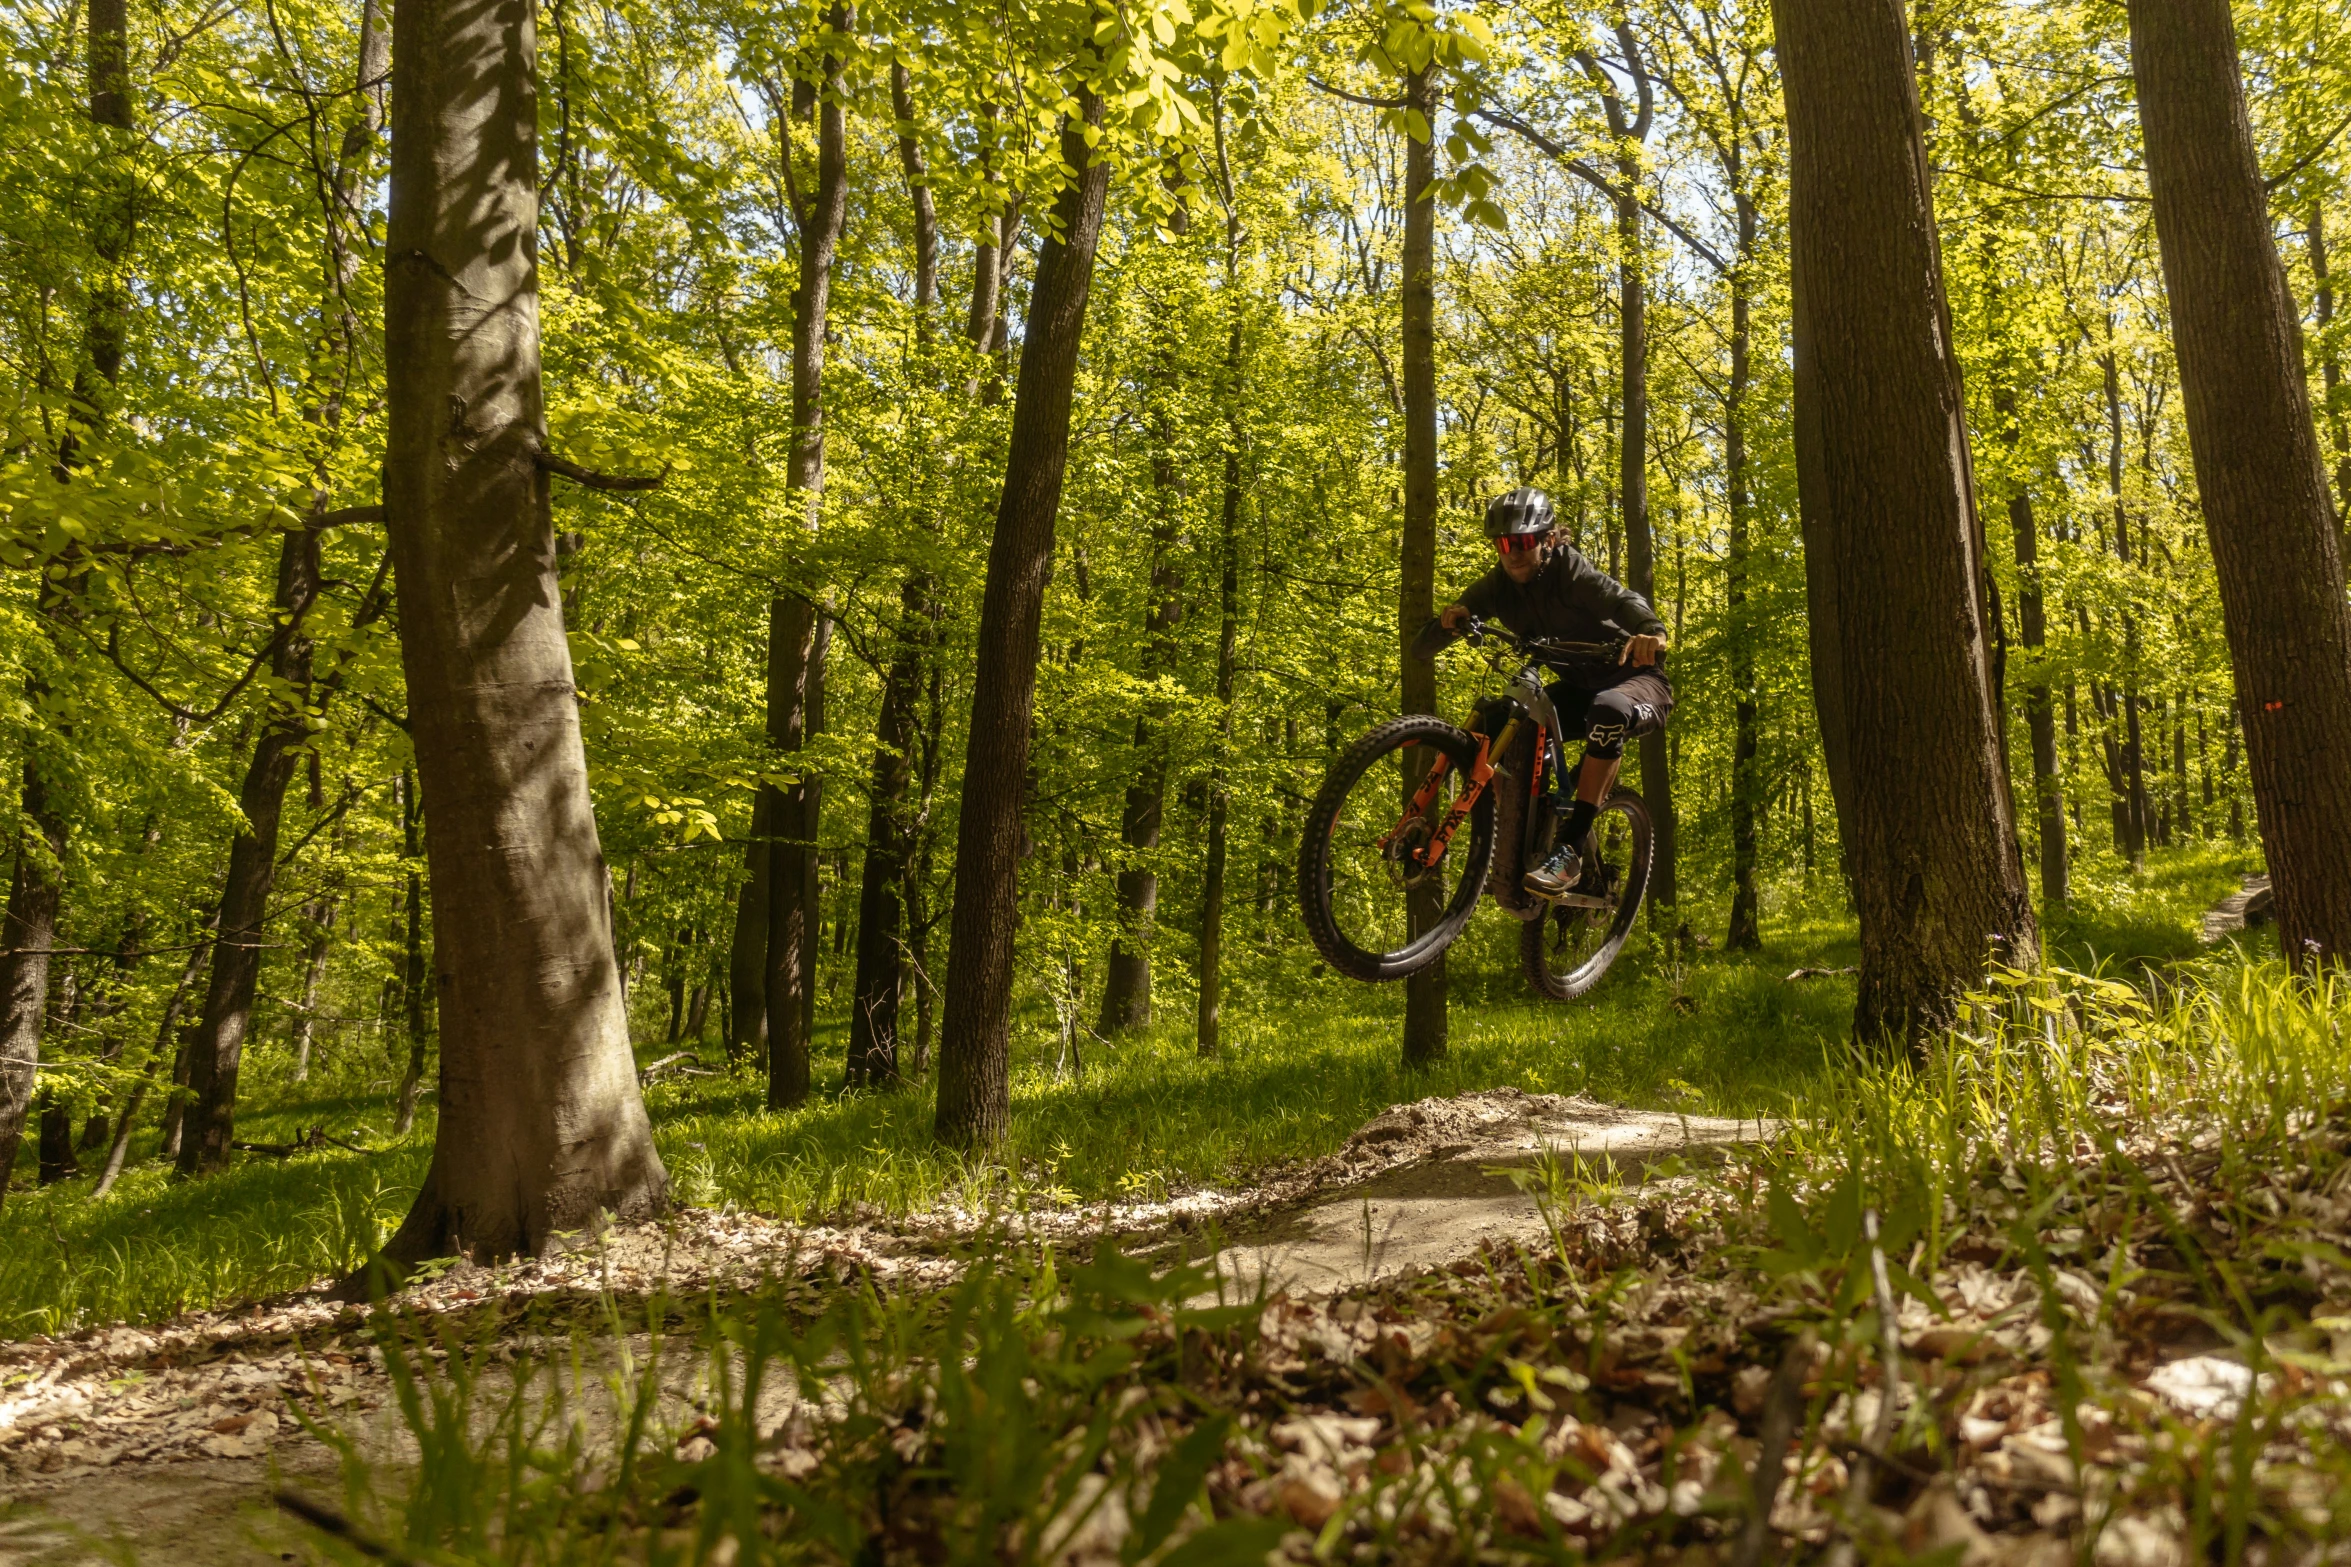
(1404,850)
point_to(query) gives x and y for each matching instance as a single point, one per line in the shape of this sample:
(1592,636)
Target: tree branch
(599,481)
(1368,103)
(1600,182)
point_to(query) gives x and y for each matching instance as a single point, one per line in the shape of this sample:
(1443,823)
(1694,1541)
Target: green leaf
(1177,1483)
(1236,1542)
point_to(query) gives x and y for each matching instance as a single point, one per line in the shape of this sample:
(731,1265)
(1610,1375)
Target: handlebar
(1540,647)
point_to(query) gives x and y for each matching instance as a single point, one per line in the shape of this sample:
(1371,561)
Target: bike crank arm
(1579,900)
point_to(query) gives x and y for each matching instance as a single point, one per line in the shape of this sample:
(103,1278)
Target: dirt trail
(180,1432)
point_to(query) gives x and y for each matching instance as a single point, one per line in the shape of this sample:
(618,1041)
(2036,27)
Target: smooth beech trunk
(1416,588)
(1894,551)
(799,629)
(1126,988)
(540,1126)
(26,935)
(1632,316)
(879,990)
(216,1045)
(975,1096)
(2040,710)
(1745,932)
(1209,1026)
(747,952)
(2275,547)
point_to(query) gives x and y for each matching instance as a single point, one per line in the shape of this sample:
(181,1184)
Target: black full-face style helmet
(1520,514)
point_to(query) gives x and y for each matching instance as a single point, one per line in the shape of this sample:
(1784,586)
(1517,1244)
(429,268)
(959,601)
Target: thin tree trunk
(1126,991)
(2330,362)
(879,989)
(118,1151)
(1425,993)
(27,932)
(747,953)
(412,968)
(541,1127)
(1745,933)
(881,961)
(1209,1029)
(36,891)
(1630,132)
(2275,546)
(314,970)
(216,1045)
(1890,528)
(2033,630)
(975,1102)
(673,971)
(799,629)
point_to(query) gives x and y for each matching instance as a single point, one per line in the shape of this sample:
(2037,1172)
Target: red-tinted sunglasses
(1518,543)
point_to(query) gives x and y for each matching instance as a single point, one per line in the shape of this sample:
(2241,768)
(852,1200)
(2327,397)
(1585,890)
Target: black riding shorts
(1636,705)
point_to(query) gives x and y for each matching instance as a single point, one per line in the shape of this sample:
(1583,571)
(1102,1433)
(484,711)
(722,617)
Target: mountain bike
(1385,894)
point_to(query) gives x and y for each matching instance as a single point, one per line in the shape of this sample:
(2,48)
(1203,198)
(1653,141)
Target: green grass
(1309,1058)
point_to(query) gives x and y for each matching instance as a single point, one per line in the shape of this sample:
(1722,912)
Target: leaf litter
(2121,1351)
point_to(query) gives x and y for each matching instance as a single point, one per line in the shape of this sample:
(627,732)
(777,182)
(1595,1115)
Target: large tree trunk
(2275,547)
(216,1045)
(541,1128)
(1425,993)
(1890,527)
(799,630)
(975,1098)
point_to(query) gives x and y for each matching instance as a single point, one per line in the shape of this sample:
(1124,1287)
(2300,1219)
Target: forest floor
(114,1440)
(1474,1195)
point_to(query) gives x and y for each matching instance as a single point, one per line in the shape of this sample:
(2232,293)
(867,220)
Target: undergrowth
(1309,1058)
(2151,1176)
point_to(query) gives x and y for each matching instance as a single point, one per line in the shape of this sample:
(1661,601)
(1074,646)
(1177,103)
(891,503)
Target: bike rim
(1578,942)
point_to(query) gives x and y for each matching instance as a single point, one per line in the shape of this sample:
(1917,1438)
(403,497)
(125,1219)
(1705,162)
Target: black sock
(1579,822)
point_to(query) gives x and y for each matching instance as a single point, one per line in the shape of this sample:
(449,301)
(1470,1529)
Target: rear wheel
(1361,866)
(1567,950)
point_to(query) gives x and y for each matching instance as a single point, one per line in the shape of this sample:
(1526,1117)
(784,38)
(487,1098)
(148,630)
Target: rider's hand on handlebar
(1641,651)
(1453,617)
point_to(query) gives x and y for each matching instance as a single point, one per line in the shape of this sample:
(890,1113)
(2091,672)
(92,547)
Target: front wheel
(1570,946)
(1376,907)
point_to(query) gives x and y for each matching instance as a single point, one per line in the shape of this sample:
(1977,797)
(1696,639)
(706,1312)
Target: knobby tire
(1358,768)
(1574,982)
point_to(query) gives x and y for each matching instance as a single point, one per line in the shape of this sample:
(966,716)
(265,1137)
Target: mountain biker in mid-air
(1543,587)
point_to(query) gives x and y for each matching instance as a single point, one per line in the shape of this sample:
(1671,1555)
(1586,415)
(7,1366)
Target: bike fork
(1481,772)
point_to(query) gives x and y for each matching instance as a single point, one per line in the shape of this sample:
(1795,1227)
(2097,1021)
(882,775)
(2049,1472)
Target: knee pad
(1611,719)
